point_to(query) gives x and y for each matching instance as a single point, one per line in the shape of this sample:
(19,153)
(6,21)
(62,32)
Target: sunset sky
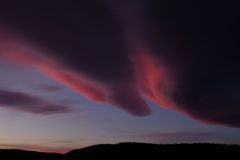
(74,74)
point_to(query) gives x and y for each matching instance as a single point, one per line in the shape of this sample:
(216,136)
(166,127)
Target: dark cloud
(179,54)
(27,103)
(199,40)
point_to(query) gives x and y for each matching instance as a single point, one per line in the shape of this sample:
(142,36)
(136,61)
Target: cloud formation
(26,103)
(180,55)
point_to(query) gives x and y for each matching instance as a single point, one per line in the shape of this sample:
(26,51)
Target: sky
(74,74)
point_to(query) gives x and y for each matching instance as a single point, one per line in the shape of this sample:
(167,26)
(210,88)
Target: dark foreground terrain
(126,151)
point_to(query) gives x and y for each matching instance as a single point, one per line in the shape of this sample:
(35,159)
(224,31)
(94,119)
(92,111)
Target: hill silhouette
(124,151)
(15,154)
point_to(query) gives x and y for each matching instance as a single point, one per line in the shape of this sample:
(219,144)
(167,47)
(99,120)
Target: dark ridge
(128,150)
(153,151)
(16,154)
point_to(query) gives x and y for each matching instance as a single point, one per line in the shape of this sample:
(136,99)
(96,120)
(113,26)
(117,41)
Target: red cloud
(192,66)
(152,79)
(55,71)
(123,94)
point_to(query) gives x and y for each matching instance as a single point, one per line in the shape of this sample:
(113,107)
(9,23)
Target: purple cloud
(24,102)
(179,54)
(48,88)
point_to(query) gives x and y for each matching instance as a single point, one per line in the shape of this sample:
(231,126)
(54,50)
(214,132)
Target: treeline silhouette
(127,151)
